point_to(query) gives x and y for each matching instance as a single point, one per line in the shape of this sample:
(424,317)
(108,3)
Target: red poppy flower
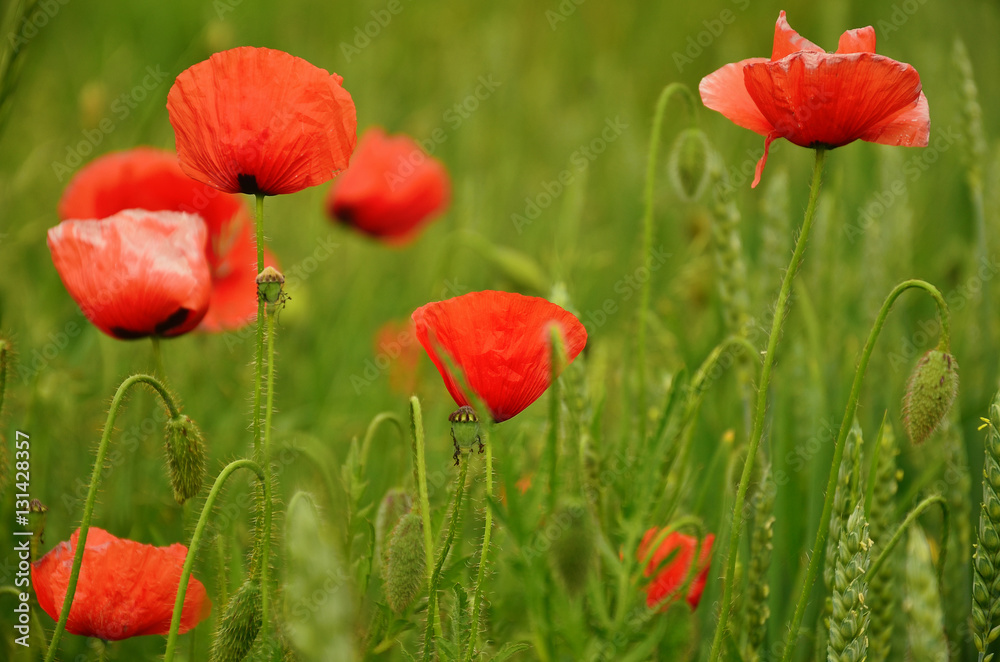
(500,341)
(817,99)
(152,179)
(679,549)
(137,273)
(125,589)
(257,120)
(391,188)
(396,350)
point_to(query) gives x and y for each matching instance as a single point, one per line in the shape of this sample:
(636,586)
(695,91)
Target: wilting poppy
(261,121)
(500,341)
(137,273)
(677,552)
(822,100)
(152,179)
(125,588)
(391,188)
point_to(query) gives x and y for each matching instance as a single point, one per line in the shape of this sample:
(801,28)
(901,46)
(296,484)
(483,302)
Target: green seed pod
(687,165)
(405,564)
(185,457)
(395,504)
(270,284)
(573,548)
(239,625)
(929,394)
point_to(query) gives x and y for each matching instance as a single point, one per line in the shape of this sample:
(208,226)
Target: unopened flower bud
(395,504)
(929,394)
(185,457)
(688,164)
(270,283)
(405,563)
(240,623)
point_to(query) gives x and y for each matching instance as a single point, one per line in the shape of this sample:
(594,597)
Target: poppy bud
(185,457)
(688,164)
(395,504)
(240,623)
(405,563)
(270,284)
(572,552)
(929,394)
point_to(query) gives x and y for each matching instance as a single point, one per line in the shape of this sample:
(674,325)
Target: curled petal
(725,91)
(859,40)
(788,41)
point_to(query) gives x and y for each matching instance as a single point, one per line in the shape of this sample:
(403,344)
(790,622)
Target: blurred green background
(558,73)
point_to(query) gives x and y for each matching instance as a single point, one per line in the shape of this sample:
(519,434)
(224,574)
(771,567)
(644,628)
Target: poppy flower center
(248,184)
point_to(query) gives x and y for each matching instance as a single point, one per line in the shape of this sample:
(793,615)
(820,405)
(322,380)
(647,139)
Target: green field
(543,115)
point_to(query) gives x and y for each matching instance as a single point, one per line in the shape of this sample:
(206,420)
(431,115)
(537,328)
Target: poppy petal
(910,127)
(257,120)
(759,170)
(859,40)
(725,90)
(670,565)
(500,342)
(788,41)
(391,188)
(821,100)
(125,588)
(137,273)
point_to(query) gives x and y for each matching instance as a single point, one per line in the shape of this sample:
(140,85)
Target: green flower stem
(647,235)
(420,475)
(818,555)
(898,535)
(95,482)
(4,352)
(477,600)
(557,359)
(157,357)
(762,390)
(265,540)
(175,621)
(366,443)
(434,624)
(259,366)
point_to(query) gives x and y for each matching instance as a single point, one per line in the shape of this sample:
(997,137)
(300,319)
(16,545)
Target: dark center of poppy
(248,184)
(175,319)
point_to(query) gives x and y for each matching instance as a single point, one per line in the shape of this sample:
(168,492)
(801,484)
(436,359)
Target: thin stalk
(175,621)
(259,366)
(420,468)
(898,535)
(556,360)
(647,236)
(434,629)
(4,347)
(477,600)
(817,557)
(157,357)
(95,482)
(736,527)
(268,489)
(384,417)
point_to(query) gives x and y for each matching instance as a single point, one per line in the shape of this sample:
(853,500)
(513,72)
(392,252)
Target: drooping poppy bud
(125,588)
(930,393)
(185,447)
(240,624)
(405,562)
(395,504)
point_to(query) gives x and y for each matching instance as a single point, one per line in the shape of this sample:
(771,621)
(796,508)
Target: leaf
(509,650)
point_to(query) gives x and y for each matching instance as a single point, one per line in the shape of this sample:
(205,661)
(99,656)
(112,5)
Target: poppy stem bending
(736,527)
(918,510)
(818,556)
(647,233)
(95,482)
(420,477)
(175,621)
(477,600)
